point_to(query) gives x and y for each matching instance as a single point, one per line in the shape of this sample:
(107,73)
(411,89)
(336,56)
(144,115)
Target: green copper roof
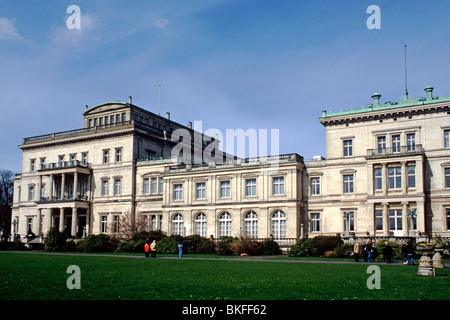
(386,106)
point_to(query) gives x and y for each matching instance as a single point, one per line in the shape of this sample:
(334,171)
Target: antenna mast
(159,101)
(406,79)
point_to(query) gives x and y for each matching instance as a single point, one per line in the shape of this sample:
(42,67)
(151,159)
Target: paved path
(246,258)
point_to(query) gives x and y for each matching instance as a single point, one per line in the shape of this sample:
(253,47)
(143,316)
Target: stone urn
(425,263)
(437,258)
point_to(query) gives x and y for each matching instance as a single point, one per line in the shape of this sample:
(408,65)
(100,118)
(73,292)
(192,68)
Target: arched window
(251,224)
(225,224)
(279,224)
(200,224)
(178,224)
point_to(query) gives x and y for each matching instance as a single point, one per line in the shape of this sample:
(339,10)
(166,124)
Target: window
(278,186)
(123,117)
(225,225)
(42,163)
(201,190)
(32,164)
(446,138)
(412,219)
(378,219)
(447,178)
(84,159)
(117,118)
(73,159)
(42,192)
(250,190)
(29,225)
(83,189)
(105,156)
(90,123)
(411,142)
(111,119)
(178,224)
(117,187)
(116,224)
(395,177)
(315,186)
(119,155)
(161,185)
(349,221)
(315,222)
(411,176)
(395,220)
(154,185)
(31,193)
(146,185)
(103,224)
(105,188)
(177,192)
(381,145)
(348,148)
(279,224)
(447,210)
(251,224)
(378,178)
(150,155)
(60,161)
(225,189)
(100,121)
(200,224)
(396,143)
(348,183)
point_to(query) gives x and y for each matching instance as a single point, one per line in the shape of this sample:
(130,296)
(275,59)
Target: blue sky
(261,64)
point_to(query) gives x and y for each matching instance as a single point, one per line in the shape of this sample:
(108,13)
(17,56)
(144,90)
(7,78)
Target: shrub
(150,235)
(396,250)
(98,243)
(245,245)
(315,247)
(14,246)
(54,240)
(169,244)
(269,247)
(224,246)
(344,250)
(197,244)
(131,246)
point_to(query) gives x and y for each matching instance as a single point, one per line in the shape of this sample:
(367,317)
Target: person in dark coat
(368,251)
(387,252)
(410,253)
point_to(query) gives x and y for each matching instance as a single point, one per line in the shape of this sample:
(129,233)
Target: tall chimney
(376,99)
(129,99)
(86,106)
(190,125)
(168,115)
(429,91)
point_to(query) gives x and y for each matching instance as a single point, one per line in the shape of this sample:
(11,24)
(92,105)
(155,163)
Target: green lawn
(41,276)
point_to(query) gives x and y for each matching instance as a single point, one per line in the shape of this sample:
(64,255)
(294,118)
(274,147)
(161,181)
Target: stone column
(38,222)
(88,221)
(384,178)
(63,183)
(404,176)
(405,218)
(75,186)
(61,220)
(385,218)
(74,222)
(52,186)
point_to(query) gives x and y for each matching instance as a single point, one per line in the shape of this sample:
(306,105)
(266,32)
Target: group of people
(151,249)
(370,252)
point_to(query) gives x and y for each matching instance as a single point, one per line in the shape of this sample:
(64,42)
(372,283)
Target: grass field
(40,276)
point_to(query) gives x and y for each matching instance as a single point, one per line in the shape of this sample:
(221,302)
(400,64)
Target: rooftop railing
(64,164)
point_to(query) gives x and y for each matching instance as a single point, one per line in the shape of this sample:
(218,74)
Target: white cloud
(162,23)
(8,30)
(89,30)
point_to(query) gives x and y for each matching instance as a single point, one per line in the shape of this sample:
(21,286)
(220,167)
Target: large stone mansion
(386,174)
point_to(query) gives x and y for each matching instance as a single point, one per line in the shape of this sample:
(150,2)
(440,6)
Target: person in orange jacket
(146,249)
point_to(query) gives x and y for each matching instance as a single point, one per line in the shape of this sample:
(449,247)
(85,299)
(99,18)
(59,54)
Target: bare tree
(6,200)
(129,227)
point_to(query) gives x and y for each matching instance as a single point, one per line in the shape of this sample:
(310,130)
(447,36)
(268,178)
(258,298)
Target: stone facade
(386,174)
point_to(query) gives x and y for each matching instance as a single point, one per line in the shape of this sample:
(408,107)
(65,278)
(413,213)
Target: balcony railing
(401,150)
(64,165)
(65,198)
